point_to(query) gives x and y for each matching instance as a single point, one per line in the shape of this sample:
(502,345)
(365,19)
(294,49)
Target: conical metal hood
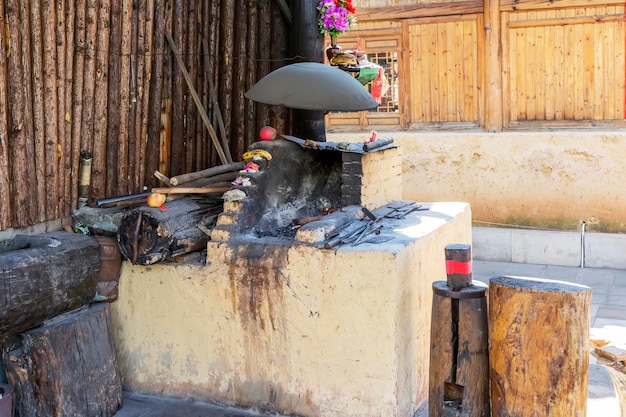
(312,86)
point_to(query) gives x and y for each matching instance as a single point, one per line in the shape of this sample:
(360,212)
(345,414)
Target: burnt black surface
(295,183)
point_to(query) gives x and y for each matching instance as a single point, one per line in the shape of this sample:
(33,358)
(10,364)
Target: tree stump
(539,351)
(459,362)
(67,367)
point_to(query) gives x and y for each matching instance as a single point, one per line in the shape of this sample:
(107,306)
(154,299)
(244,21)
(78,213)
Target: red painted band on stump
(456,267)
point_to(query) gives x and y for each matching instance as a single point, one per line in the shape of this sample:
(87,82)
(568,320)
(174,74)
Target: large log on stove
(67,367)
(42,276)
(148,235)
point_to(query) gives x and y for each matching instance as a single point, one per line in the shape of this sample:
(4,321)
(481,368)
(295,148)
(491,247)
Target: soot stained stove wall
(295,183)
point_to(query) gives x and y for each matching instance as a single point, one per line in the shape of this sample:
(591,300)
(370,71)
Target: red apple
(156,199)
(267,133)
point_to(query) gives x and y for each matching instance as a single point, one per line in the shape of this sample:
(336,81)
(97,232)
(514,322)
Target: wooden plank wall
(99,76)
(446,69)
(564,64)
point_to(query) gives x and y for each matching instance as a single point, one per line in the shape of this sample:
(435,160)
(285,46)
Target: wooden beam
(420,10)
(509,5)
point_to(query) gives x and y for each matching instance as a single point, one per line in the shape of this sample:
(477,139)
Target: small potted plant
(335,18)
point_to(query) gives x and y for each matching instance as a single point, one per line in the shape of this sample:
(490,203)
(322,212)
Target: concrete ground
(608,313)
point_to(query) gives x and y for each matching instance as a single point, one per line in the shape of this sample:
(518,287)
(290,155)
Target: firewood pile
(609,347)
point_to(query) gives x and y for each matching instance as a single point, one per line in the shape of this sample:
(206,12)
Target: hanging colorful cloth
(380,85)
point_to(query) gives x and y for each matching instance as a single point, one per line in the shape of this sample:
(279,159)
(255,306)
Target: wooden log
(43,276)
(250,74)
(220,169)
(278,114)
(192,190)
(539,347)
(123,140)
(70,190)
(20,145)
(137,69)
(146,51)
(89,82)
(156,85)
(133,95)
(238,128)
(39,131)
(609,347)
(177,149)
(225,54)
(459,360)
(149,235)
(77,91)
(51,110)
(61,151)
(67,367)
(5,209)
(99,179)
(264,44)
(190,49)
(114,100)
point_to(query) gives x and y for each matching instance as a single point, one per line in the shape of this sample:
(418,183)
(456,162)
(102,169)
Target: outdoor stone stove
(280,319)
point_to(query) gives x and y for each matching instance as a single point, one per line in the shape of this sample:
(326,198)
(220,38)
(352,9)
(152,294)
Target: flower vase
(333,49)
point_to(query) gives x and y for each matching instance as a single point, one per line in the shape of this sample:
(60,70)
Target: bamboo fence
(99,76)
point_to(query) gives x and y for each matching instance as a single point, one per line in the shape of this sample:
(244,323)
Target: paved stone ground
(608,311)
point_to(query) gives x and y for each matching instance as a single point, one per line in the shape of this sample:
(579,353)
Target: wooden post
(493,67)
(539,348)
(308,43)
(459,362)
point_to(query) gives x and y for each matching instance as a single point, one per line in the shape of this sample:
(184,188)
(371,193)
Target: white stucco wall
(551,180)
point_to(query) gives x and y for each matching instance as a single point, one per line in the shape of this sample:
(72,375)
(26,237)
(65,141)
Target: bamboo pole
(177,151)
(100,103)
(154,110)
(77,92)
(39,122)
(51,112)
(195,97)
(70,190)
(123,140)
(5,190)
(113,117)
(62,194)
